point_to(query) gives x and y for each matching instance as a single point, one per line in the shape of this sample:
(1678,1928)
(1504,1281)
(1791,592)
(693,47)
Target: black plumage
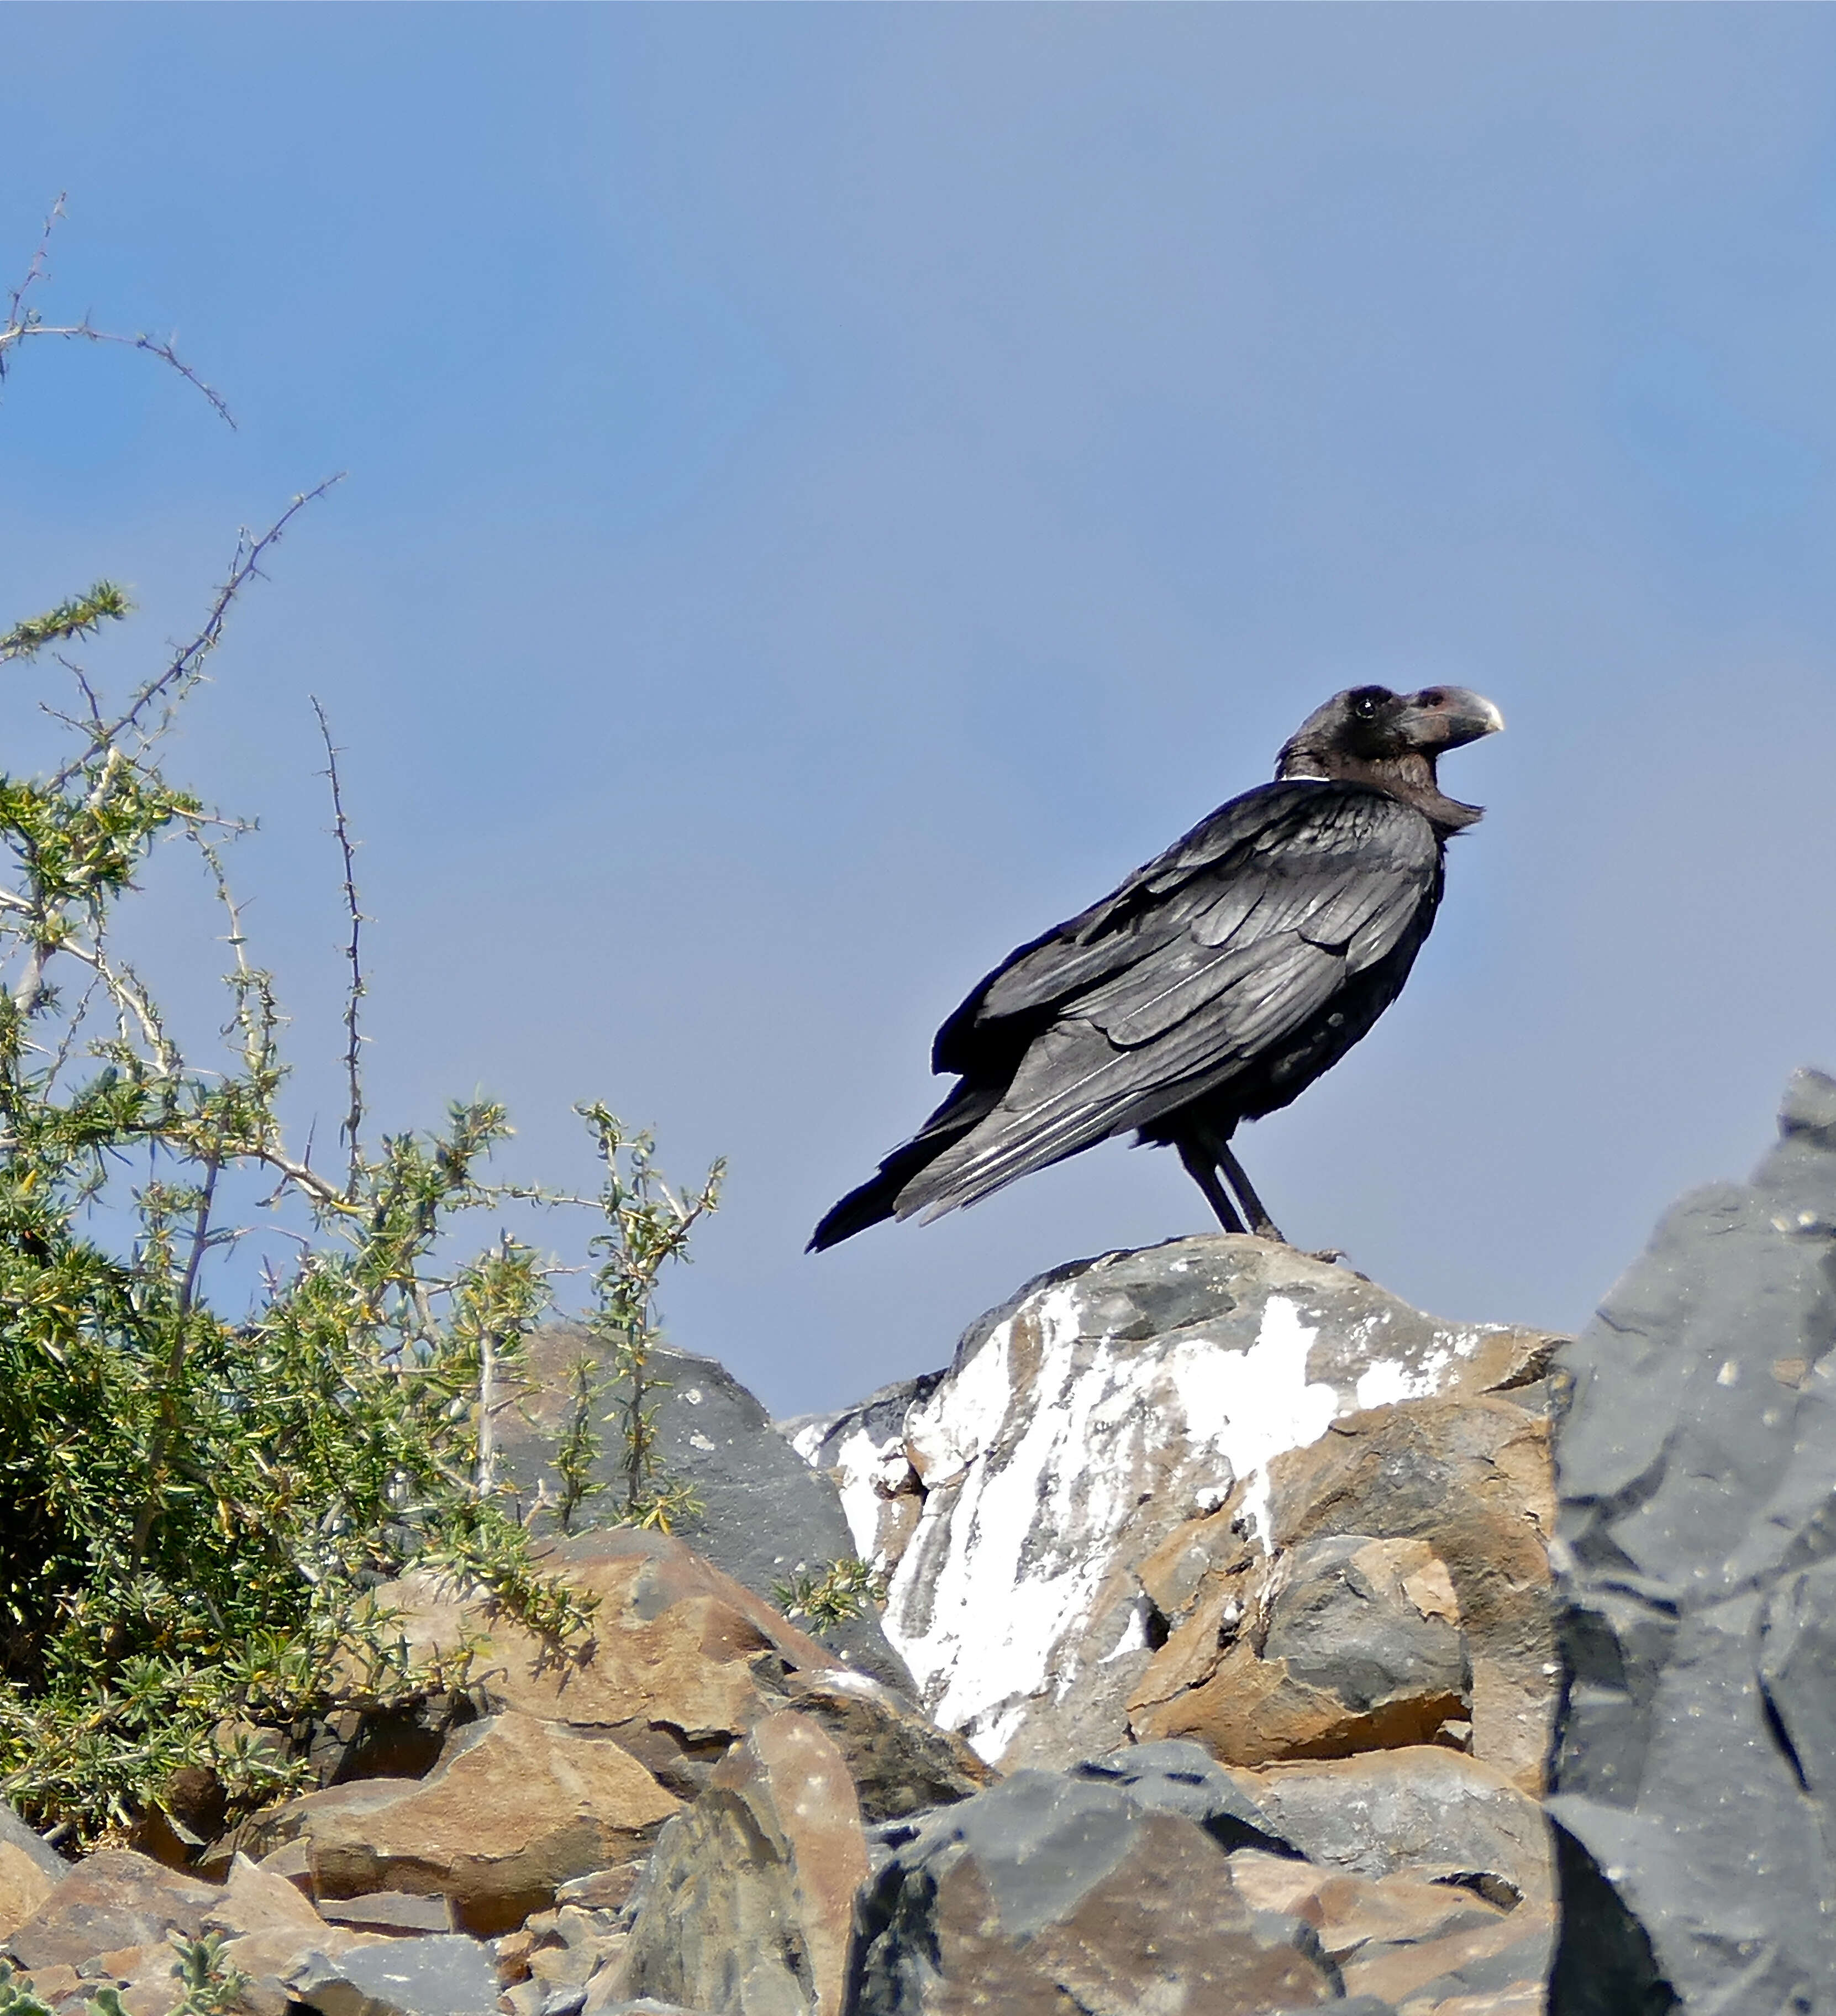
(1216,984)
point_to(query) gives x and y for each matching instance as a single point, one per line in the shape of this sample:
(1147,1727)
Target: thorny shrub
(199,1496)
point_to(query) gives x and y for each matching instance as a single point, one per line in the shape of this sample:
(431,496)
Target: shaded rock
(116,1899)
(1049,1892)
(518,1808)
(1110,1404)
(29,1870)
(1428,1812)
(1697,1461)
(680,1661)
(447,1976)
(766,1517)
(900,1761)
(1354,1644)
(748,1905)
(1174,1777)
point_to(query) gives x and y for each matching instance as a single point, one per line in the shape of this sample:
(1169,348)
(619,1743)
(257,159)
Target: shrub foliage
(202,1481)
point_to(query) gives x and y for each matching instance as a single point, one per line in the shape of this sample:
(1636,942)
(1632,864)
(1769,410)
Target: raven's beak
(1446,717)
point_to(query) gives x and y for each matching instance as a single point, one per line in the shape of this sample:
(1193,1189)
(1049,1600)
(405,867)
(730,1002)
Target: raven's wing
(1214,866)
(1203,964)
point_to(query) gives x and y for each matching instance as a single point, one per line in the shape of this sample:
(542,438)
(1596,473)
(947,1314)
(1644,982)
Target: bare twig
(22,320)
(187,664)
(352,1130)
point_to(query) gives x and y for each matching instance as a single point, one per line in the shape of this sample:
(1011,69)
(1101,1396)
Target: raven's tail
(878,1197)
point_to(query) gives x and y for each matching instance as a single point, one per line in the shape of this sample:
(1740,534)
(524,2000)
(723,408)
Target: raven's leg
(1260,1222)
(1201,1168)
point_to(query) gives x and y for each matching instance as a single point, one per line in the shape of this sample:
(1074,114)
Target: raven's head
(1368,735)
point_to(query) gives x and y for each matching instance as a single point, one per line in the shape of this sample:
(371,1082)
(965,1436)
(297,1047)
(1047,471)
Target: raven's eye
(1364,706)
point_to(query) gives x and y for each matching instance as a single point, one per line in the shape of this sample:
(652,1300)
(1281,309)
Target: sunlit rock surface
(1016,1500)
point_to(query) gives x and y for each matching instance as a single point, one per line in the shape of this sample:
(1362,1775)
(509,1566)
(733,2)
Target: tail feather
(878,1197)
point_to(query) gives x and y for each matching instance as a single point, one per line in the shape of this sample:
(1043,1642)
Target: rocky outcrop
(1227,1583)
(1696,1774)
(1110,1444)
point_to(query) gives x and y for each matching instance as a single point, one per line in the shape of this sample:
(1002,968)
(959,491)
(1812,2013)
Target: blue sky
(830,490)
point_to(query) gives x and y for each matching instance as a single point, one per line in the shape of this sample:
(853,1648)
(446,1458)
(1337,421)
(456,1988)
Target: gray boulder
(1696,1467)
(1175,1777)
(766,1517)
(448,1975)
(1051,1892)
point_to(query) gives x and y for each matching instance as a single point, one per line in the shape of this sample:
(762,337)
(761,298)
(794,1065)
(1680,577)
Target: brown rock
(24,1887)
(900,1761)
(1360,1915)
(272,1932)
(680,1661)
(1430,1876)
(114,1900)
(1473,1478)
(749,1904)
(254,1899)
(518,1808)
(1352,1644)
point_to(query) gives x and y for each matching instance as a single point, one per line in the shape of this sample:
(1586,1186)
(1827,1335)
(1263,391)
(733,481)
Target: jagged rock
(1696,1770)
(1408,1824)
(1425,1811)
(1357,1646)
(1414,1942)
(517,1807)
(1174,1777)
(748,1904)
(274,1934)
(116,1899)
(1049,1893)
(29,1870)
(680,1661)
(1109,1404)
(442,1975)
(765,1517)
(901,1762)
(1469,1480)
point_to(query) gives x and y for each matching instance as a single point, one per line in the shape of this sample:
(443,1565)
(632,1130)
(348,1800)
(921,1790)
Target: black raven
(1216,984)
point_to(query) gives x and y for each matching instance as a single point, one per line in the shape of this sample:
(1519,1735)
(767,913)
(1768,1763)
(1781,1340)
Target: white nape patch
(1256,1403)
(808,1440)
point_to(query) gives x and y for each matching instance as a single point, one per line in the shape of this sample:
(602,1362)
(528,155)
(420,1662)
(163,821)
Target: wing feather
(1204,962)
